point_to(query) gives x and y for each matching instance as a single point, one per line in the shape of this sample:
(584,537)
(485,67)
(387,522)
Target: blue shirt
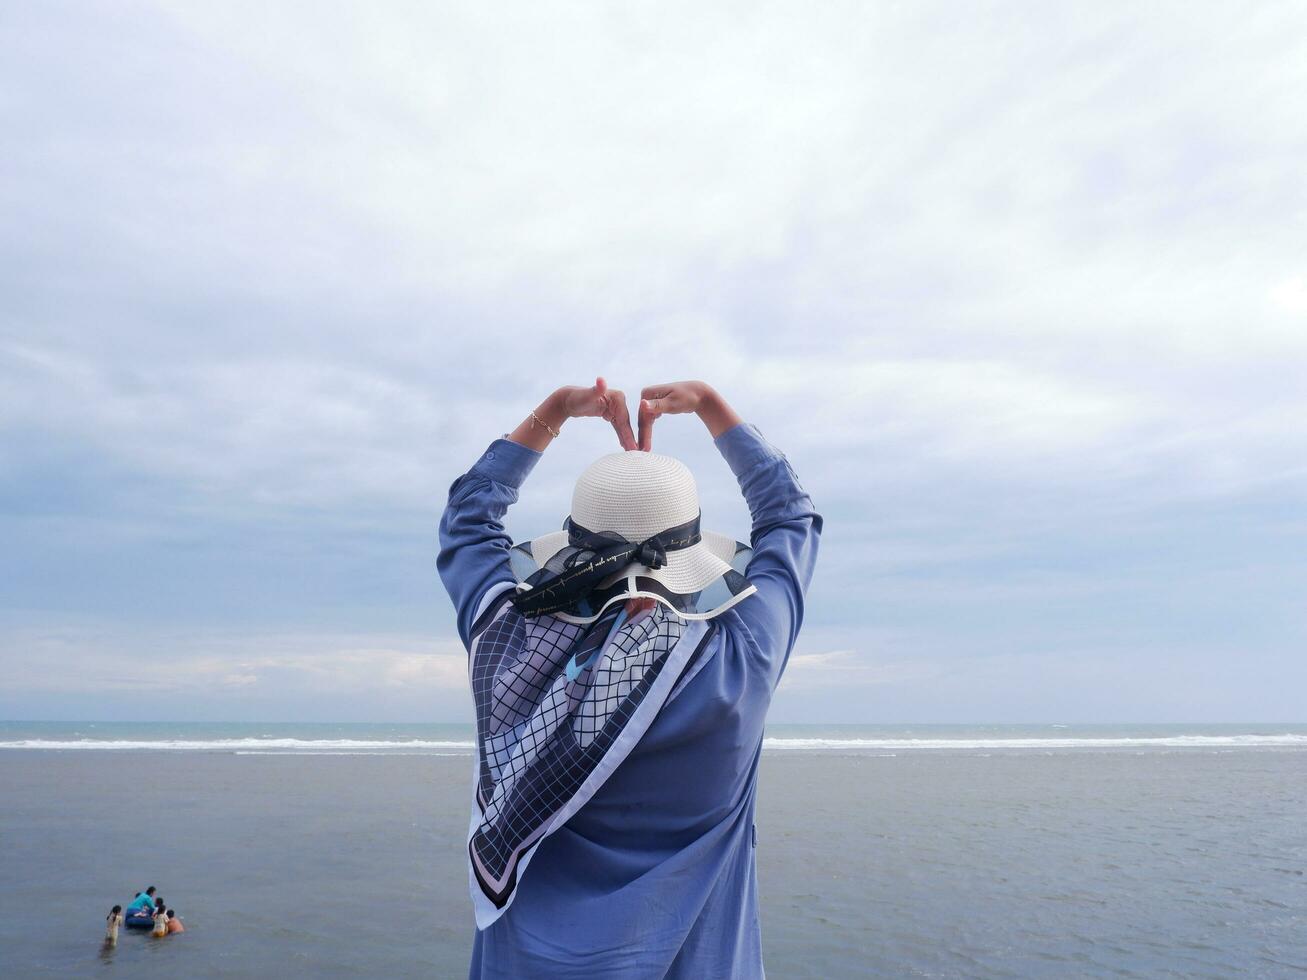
(142,901)
(654,876)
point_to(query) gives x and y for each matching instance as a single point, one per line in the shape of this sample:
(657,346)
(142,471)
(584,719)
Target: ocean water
(883,851)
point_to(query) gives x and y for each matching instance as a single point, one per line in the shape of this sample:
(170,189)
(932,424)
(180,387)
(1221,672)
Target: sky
(1019,288)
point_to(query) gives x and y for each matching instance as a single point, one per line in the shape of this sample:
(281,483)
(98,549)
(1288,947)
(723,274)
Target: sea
(952,851)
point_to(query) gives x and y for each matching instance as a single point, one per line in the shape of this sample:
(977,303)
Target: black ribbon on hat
(592,556)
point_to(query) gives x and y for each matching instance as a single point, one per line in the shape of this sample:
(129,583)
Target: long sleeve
(786,532)
(474,545)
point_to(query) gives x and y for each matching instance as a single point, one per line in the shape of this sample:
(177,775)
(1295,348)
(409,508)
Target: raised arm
(474,544)
(786,527)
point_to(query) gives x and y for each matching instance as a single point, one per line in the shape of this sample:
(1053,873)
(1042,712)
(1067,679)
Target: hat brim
(687,572)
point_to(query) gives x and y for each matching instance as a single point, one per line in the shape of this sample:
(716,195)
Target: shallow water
(1020,862)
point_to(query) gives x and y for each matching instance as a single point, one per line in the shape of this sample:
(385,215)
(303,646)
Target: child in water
(160,920)
(112,922)
(174,923)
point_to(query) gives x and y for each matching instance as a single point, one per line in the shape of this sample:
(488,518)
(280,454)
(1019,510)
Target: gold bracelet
(536,418)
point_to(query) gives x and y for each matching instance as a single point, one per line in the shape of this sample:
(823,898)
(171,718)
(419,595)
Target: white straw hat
(636,495)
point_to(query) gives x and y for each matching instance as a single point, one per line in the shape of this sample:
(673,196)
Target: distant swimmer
(174,923)
(112,922)
(143,900)
(141,911)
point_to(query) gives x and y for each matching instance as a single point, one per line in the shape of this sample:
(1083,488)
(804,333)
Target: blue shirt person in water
(143,900)
(622,670)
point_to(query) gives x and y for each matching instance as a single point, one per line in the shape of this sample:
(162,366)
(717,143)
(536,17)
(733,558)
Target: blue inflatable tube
(138,919)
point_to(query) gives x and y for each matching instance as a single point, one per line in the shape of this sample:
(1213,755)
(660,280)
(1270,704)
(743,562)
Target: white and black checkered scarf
(558,706)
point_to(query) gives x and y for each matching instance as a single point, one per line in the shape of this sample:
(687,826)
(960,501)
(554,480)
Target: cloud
(104,659)
(846,670)
(1017,290)
(1290,296)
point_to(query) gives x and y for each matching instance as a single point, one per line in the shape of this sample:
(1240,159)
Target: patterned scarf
(558,705)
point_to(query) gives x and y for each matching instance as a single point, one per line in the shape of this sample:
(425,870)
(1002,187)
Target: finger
(620,416)
(597,398)
(656,391)
(614,406)
(648,413)
(612,403)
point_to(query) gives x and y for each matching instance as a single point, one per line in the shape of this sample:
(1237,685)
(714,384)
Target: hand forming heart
(673,398)
(677,398)
(600,401)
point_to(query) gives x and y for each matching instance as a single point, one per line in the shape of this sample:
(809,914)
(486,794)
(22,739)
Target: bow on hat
(590,558)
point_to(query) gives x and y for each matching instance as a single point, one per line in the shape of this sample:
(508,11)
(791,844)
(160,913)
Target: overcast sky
(1021,291)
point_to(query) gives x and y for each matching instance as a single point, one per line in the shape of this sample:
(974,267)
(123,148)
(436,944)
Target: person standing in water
(621,671)
(113,922)
(174,923)
(160,919)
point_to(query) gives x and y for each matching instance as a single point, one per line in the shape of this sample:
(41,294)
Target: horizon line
(810,724)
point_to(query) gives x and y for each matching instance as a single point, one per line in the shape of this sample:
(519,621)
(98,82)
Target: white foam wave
(439,755)
(269,745)
(305,746)
(1285,740)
